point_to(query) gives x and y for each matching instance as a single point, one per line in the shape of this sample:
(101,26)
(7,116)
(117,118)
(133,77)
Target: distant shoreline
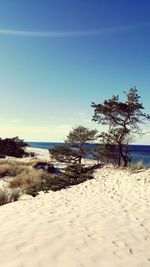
(138,152)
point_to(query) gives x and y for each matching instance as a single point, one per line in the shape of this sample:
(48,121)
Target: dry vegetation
(26,178)
(138,166)
(23,177)
(11,168)
(7,196)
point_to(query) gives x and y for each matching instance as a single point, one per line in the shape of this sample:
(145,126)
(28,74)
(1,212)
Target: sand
(100,223)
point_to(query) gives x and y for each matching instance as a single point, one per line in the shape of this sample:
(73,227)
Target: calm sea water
(138,152)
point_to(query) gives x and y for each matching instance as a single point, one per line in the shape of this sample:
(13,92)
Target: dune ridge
(102,222)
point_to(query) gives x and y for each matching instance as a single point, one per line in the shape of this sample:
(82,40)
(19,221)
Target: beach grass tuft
(139,165)
(11,168)
(8,196)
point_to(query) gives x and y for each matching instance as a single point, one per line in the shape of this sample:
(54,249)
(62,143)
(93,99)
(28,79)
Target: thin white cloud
(50,34)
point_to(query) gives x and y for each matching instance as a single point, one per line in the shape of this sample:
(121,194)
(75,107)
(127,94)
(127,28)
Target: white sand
(100,223)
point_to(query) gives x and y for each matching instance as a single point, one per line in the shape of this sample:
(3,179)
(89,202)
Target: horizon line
(131,144)
(59,34)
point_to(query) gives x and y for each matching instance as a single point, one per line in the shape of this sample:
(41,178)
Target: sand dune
(100,223)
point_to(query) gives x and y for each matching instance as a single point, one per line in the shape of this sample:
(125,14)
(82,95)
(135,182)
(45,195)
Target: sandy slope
(103,222)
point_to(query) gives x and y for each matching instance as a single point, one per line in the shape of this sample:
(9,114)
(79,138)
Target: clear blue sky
(57,56)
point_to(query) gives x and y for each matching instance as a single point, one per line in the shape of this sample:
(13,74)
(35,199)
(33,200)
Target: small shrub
(31,190)
(72,175)
(8,196)
(54,183)
(76,173)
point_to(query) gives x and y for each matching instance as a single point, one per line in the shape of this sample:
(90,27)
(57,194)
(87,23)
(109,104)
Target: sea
(138,152)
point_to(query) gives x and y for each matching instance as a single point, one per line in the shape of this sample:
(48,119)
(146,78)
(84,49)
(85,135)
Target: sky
(58,56)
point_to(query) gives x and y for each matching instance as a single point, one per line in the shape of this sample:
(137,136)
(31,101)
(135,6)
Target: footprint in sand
(119,244)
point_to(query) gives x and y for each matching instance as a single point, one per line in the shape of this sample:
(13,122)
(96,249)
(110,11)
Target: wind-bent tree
(64,153)
(123,119)
(75,147)
(79,137)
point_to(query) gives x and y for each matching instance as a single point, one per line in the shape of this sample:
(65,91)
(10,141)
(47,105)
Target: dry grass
(139,165)
(23,175)
(8,196)
(11,168)
(27,176)
(136,167)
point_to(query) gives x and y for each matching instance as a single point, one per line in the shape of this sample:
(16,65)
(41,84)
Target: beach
(99,223)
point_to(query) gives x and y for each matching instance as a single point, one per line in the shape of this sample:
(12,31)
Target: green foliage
(64,153)
(126,114)
(123,119)
(72,175)
(74,149)
(81,135)
(54,183)
(76,173)
(12,147)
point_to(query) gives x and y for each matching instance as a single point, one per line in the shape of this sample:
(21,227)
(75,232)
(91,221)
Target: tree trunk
(122,156)
(80,158)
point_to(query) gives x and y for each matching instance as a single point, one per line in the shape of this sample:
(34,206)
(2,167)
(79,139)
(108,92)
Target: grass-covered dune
(29,177)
